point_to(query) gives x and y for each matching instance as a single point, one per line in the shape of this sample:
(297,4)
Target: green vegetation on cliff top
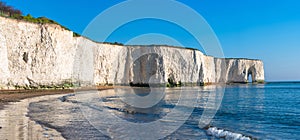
(10,12)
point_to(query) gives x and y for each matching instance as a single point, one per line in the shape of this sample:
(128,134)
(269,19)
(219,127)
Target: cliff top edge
(76,35)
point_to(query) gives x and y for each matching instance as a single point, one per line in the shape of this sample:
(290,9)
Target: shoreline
(16,95)
(11,96)
(15,124)
(14,120)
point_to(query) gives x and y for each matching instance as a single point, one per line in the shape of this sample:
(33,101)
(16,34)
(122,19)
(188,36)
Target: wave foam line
(220,133)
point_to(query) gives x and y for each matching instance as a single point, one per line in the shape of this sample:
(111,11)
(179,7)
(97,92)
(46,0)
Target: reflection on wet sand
(16,125)
(117,113)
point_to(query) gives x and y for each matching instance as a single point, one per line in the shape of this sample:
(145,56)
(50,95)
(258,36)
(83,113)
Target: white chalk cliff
(46,54)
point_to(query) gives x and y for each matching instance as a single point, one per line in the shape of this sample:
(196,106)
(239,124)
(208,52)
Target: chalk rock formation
(46,54)
(34,54)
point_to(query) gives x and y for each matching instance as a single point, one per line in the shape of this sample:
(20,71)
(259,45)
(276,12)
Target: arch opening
(250,77)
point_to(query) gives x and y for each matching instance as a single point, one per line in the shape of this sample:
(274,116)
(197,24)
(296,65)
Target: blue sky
(260,29)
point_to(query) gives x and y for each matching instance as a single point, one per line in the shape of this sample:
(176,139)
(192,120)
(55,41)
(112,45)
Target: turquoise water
(268,111)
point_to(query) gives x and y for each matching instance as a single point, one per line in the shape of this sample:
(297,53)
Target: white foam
(220,133)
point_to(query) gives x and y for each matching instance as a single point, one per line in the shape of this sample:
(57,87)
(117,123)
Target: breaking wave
(220,133)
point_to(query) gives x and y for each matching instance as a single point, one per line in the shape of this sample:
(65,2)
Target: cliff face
(36,54)
(33,54)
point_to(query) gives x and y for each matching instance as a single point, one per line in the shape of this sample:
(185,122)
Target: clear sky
(260,29)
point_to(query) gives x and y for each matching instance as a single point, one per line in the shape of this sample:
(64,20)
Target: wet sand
(14,123)
(7,96)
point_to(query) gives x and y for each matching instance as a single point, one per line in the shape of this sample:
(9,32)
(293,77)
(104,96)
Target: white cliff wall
(4,71)
(97,63)
(34,54)
(46,54)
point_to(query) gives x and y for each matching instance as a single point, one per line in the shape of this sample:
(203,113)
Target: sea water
(247,111)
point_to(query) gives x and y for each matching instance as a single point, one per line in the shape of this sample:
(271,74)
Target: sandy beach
(16,125)
(7,96)
(14,122)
